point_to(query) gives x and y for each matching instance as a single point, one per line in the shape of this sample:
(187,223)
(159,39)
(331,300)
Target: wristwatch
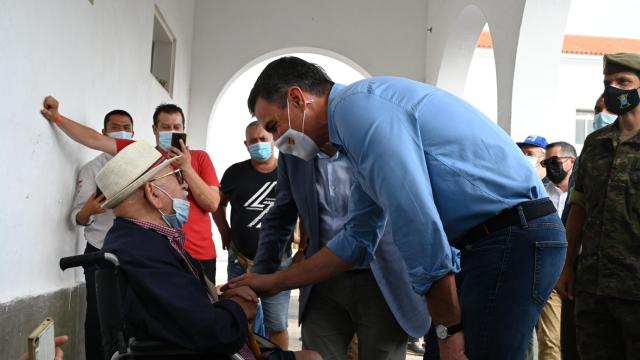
(443,332)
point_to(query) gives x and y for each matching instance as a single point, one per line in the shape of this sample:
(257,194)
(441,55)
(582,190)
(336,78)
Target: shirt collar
(334,96)
(176,237)
(612,132)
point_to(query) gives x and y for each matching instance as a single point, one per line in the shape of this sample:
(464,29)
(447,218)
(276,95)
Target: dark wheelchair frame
(110,283)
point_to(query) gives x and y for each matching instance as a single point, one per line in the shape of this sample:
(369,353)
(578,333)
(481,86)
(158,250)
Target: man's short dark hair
(565,148)
(281,74)
(167,109)
(116,112)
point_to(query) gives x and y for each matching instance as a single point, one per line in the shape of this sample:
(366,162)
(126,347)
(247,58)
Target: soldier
(606,222)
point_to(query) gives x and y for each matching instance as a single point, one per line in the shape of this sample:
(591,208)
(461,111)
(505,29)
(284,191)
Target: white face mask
(533,161)
(296,143)
(121,135)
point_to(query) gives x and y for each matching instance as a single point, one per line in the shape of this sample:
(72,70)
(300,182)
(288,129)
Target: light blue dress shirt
(434,164)
(333,183)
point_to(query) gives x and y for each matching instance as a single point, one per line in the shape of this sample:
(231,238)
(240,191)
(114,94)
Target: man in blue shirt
(375,302)
(446,178)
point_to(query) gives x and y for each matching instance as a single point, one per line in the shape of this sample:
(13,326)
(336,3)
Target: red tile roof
(581,44)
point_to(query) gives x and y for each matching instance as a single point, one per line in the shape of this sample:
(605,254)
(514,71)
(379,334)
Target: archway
(224,137)
(230,116)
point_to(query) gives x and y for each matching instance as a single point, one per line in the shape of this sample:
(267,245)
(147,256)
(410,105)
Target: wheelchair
(110,283)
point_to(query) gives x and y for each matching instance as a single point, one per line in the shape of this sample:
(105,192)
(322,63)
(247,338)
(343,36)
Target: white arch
(459,48)
(221,132)
(276,53)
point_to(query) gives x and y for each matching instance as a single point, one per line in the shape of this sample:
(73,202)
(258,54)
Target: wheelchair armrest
(154,346)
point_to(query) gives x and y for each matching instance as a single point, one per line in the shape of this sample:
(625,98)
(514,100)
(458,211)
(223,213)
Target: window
(584,124)
(163,50)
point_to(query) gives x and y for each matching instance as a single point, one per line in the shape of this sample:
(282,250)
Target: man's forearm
(220,218)
(442,300)
(86,135)
(207,197)
(575,223)
(321,266)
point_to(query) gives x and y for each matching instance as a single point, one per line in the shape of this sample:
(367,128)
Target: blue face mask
(121,135)
(181,208)
(164,140)
(603,119)
(260,151)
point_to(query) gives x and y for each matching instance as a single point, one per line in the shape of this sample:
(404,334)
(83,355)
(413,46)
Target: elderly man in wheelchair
(165,299)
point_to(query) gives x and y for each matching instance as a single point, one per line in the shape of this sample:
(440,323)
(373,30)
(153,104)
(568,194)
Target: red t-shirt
(199,240)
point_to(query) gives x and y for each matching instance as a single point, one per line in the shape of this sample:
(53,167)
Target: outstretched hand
(263,285)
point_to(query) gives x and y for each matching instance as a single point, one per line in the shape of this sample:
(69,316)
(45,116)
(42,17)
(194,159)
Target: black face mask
(620,101)
(555,172)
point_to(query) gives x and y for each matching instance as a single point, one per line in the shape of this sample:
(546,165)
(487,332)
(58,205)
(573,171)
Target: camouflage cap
(619,62)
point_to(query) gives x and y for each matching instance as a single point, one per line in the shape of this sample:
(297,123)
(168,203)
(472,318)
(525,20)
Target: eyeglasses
(554,159)
(177,173)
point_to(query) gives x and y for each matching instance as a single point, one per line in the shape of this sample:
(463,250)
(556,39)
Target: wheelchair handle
(88,259)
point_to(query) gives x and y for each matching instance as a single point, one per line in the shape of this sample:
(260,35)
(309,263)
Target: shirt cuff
(576,197)
(421,280)
(350,250)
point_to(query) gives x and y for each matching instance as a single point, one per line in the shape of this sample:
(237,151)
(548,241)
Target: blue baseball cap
(534,140)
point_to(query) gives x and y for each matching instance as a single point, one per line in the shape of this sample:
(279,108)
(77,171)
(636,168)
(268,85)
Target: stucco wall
(93,58)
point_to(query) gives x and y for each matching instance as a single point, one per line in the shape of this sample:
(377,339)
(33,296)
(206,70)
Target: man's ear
(152,195)
(245,144)
(154,129)
(104,132)
(296,97)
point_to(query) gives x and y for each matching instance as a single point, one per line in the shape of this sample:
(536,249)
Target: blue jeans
(274,308)
(505,280)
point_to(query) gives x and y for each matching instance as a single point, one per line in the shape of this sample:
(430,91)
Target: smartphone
(41,341)
(175,139)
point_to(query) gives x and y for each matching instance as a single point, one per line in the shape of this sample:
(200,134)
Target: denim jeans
(505,281)
(274,310)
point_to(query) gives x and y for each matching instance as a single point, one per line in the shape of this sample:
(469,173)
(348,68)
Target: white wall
(578,86)
(93,58)
(383,37)
(527,37)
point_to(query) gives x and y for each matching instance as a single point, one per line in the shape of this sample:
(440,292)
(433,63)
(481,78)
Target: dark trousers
(205,267)
(92,337)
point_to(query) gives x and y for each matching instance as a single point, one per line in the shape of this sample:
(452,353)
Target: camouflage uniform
(608,274)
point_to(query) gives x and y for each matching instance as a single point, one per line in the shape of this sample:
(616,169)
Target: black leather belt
(530,210)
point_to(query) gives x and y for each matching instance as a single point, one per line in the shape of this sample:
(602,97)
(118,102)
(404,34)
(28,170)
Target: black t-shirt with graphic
(251,194)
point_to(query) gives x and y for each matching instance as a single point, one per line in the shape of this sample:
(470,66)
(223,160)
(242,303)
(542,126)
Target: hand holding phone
(175,140)
(41,341)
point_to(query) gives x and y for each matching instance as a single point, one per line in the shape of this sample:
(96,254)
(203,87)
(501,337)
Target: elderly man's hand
(246,298)
(243,292)
(59,340)
(263,285)
(50,108)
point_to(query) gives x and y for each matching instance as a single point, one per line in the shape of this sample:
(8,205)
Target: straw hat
(128,170)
